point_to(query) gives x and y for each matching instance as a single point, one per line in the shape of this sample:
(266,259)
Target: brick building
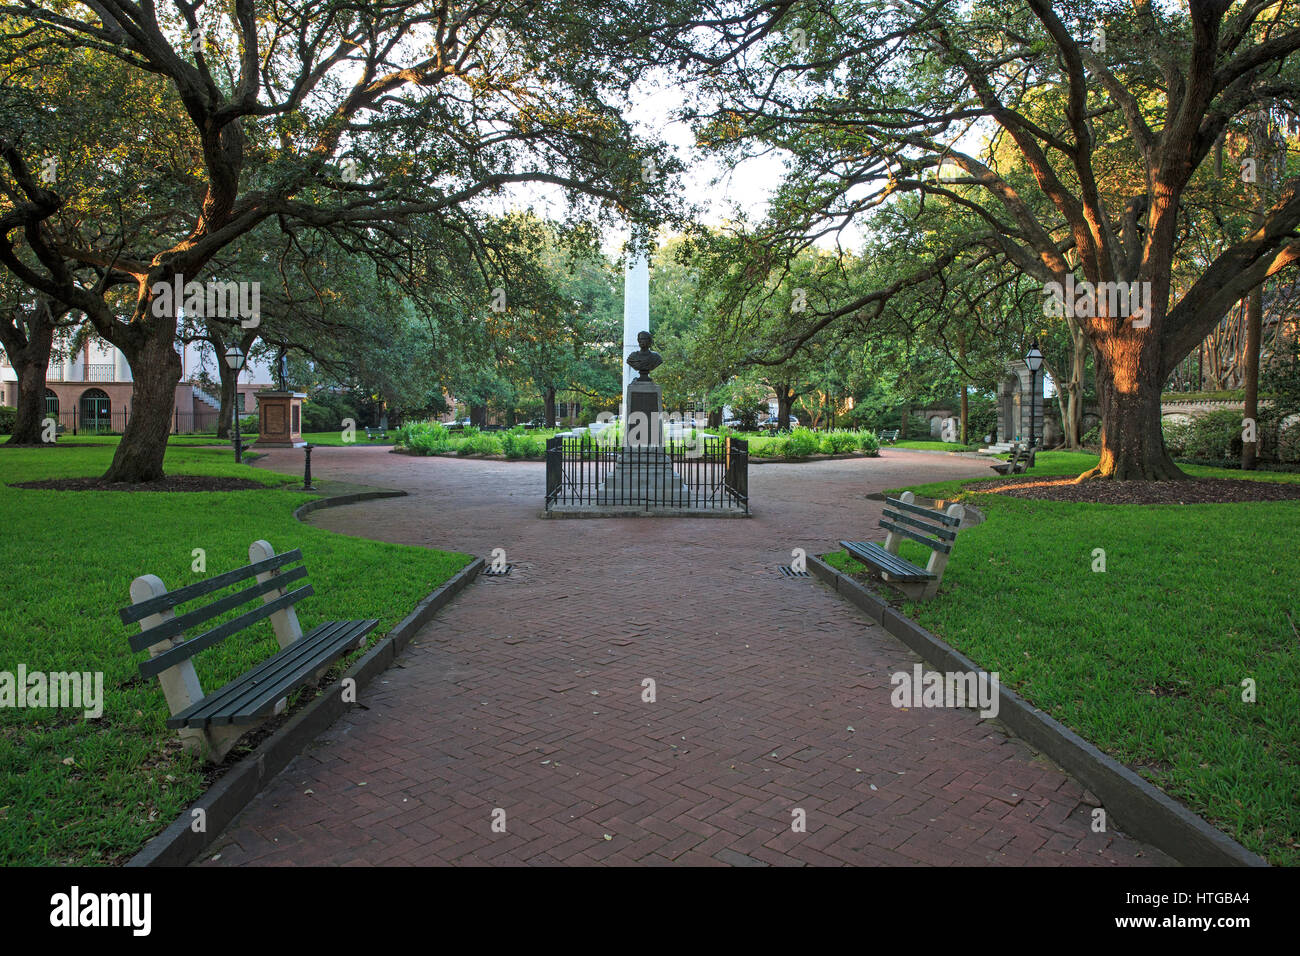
(90,390)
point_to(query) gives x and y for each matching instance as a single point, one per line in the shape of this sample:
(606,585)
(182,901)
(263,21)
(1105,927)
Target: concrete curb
(616,511)
(1140,808)
(179,845)
(350,499)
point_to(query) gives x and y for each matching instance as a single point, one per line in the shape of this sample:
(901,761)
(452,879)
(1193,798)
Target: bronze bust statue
(644,360)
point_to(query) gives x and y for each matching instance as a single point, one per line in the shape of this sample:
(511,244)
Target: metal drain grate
(790,572)
(488,572)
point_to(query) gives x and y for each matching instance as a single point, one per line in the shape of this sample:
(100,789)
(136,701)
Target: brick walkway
(525,696)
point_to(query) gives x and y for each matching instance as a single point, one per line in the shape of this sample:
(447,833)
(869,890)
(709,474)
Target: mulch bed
(175,483)
(1191,492)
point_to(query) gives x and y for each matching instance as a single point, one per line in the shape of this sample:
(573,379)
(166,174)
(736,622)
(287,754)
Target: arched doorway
(52,404)
(96,411)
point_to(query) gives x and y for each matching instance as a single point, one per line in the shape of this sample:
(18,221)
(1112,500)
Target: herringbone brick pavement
(524,702)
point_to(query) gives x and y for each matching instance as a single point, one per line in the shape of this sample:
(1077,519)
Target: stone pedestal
(644,426)
(643,475)
(279,416)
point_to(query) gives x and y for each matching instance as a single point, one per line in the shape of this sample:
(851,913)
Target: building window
(51,403)
(563,410)
(96,411)
(239,402)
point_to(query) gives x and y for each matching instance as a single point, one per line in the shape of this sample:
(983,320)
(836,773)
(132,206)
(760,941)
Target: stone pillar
(643,425)
(280,419)
(636,314)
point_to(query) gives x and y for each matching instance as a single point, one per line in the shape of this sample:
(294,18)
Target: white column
(636,313)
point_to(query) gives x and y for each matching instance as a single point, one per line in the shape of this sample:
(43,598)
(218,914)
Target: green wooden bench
(376,434)
(1019,462)
(211,723)
(903,518)
(889,435)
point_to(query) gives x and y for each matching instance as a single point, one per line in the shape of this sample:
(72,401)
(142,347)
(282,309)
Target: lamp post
(1035,361)
(235,362)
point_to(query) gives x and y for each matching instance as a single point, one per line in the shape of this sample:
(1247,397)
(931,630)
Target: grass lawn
(934,445)
(74,790)
(1147,659)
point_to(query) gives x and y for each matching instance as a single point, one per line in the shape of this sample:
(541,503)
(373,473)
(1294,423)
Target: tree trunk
(156,368)
(902,429)
(30,363)
(549,401)
(1128,391)
(229,387)
(1254,322)
(28,343)
(1072,414)
(715,418)
(784,401)
(965,412)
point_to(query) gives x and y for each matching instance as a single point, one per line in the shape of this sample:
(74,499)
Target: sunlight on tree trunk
(1132,443)
(1254,324)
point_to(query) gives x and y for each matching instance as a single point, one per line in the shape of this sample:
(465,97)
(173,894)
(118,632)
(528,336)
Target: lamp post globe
(235,362)
(1035,361)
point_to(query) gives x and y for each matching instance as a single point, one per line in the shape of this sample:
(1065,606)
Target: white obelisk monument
(636,315)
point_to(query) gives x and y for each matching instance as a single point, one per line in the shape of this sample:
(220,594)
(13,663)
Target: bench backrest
(889,434)
(934,529)
(162,630)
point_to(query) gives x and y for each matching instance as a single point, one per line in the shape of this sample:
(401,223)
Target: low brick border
(1146,811)
(179,845)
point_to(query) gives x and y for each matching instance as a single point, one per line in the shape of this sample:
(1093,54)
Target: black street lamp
(1035,361)
(235,362)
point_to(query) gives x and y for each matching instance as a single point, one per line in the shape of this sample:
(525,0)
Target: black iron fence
(77,420)
(705,472)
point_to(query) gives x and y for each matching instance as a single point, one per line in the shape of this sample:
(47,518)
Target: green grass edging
(1146,659)
(85,791)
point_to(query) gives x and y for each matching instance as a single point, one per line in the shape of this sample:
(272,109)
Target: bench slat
(930,513)
(335,640)
(930,543)
(250,696)
(876,556)
(180,652)
(184,622)
(947,534)
(138,612)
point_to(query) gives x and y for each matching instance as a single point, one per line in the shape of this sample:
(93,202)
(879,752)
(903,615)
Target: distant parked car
(772,423)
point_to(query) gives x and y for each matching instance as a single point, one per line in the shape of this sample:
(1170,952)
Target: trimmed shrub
(868,442)
(1215,437)
(479,443)
(424,438)
(8,417)
(517,444)
(839,443)
(1177,435)
(800,443)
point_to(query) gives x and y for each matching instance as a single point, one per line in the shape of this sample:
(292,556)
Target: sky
(720,194)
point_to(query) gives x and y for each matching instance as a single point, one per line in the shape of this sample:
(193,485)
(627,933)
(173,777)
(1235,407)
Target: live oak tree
(361,118)
(28,324)
(870,100)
